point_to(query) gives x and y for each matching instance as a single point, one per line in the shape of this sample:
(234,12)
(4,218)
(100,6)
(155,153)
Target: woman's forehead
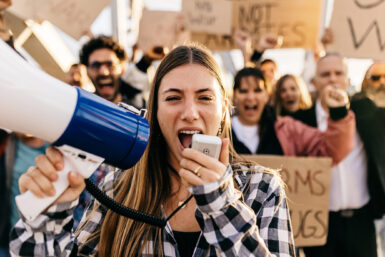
(190,77)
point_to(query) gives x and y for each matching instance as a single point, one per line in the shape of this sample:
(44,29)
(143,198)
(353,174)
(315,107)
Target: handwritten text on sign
(211,16)
(307,187)
(297,21)
(359,28)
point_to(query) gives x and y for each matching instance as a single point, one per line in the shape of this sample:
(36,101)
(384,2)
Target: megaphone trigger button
(82,156)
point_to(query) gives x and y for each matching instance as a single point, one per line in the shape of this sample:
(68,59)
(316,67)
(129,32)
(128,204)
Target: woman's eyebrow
(180,91)
(203,90)
(172,90)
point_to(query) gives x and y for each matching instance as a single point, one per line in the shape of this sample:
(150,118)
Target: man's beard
(377,94)
(100,84)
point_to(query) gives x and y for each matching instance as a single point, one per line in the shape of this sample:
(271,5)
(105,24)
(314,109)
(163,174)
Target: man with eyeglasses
(114,79)
(357,186)
(374,83)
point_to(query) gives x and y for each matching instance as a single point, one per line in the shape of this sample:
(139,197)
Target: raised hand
(243,40)
(156,53)
(269,41)
(334,97)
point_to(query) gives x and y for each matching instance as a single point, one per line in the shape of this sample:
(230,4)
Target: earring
(220,131)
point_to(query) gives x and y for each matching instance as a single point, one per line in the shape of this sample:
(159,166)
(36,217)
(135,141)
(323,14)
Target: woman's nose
(190,111)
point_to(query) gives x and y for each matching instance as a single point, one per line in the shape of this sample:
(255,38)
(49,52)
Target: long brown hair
(147,185)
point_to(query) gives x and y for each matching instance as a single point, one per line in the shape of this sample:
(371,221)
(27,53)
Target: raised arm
(298,139)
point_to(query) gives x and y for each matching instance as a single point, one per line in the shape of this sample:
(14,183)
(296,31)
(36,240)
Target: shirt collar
(320,111)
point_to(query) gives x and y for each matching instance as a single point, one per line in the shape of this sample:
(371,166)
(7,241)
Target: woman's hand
(198,168)
(39,179)
(334,97)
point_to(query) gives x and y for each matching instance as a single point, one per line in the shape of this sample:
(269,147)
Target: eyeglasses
(96,65)
(377,77)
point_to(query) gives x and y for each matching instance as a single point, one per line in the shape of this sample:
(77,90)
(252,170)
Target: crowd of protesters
(239,208)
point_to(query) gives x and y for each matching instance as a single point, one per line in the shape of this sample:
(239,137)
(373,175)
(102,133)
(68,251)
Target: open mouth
(251,107)
(290,102)
(185,137)
(105,81)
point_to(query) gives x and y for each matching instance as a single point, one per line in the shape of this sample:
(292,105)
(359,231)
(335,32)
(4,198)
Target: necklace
(183,204)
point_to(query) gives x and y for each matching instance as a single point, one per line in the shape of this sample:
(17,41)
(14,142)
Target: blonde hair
(305,101)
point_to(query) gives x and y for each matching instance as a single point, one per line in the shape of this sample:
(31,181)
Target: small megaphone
(88,128)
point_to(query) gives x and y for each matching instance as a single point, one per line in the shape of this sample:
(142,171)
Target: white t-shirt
(248,135)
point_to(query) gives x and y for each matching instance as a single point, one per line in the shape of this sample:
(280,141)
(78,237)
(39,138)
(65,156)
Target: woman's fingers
(190,177)
(55,157)
(46,167)
(42,182)
(203,159)
(27,183)
(202,168)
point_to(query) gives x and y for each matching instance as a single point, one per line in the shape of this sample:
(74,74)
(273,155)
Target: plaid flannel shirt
(250,219)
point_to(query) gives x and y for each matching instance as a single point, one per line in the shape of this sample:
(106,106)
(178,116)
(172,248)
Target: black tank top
(186,242)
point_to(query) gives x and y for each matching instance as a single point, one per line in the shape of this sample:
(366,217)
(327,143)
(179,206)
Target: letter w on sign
(359,28)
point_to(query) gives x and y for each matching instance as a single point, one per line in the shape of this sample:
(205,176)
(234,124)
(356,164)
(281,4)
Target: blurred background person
(356,190)
(291,95)
(113,77)
(256,129)
(270,72)
(373,84)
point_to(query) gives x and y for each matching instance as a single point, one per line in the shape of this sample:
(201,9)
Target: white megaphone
(88,129)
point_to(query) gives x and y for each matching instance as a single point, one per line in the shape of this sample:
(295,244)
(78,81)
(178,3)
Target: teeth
(189,132)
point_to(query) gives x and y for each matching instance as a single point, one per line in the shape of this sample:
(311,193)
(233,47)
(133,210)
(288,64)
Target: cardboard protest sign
(26,9)
(307,182)
(72,16)
(43,43)
(359,28)
(297,21)
(211,16)
(161,28)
